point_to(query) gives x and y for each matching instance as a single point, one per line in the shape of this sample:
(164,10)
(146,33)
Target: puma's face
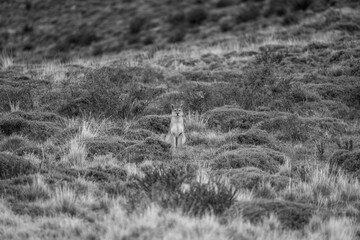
(177,111)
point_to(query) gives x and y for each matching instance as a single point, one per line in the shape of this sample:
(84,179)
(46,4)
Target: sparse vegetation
(270,91)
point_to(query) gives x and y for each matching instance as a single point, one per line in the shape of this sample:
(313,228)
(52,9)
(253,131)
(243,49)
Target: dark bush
(136,24)
(196,15)
(35,130)
(82,37)
(164,186)
(103,146)
(226,24)
(255,137)
(150,149)
(115,92)
(12,143)
(301,5)
(137,134)
(176,36)
(12,166)
(227,118)
(252,177)
(291,215)
(177,18)
(223,3)
(265,159)
(154,123)
(247,13)
(275,7)
(346,160)
(295,128)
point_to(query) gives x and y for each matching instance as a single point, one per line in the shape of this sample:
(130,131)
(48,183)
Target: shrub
(229,117)
(226,24)
(12,143)
(35,130)
(136,24)
(116,92)
(154,123)
(255,137)
(164,186)
(223,3)
(196,15)
(301,5)
(295,128)
(252,178)
(137,134)
(177,18)
(150,148)
(176,36)
(247,13)
(103,146)
(12,166)
(265,159)
(275,7)
(347,160)
(291,215)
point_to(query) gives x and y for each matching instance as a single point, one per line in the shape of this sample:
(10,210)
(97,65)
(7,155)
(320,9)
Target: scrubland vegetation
(271,92)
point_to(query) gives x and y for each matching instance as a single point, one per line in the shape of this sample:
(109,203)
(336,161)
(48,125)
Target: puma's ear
(172,106)
(181,106)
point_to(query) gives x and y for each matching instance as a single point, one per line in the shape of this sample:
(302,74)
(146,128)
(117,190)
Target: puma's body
(176,135)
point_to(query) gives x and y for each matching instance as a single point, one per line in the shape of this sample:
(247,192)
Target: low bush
(255,137)
(164,186)
(137,134)
(295,128)
(154,123)
(252,178)
(290,214)
(104,146)
(12,166)
(11,123)
(150,149)
(247,13)
(346,160)
(196,15)
(136,24)
(230,117)
(265,159)
(12,143)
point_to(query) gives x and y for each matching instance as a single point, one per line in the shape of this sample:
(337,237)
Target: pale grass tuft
(196,122)
(37,189)
(64,198)
(14,106)
(6,61)
(77,153)
(133,170)
(327,189)
(90,128)
(104,160)
(53,71)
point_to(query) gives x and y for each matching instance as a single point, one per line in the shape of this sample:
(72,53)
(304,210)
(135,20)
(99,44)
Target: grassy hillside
(271,92)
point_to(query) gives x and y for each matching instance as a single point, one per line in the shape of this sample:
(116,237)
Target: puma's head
(177,111)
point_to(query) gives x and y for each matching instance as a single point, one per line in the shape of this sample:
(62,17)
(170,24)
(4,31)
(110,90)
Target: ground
(271,95)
